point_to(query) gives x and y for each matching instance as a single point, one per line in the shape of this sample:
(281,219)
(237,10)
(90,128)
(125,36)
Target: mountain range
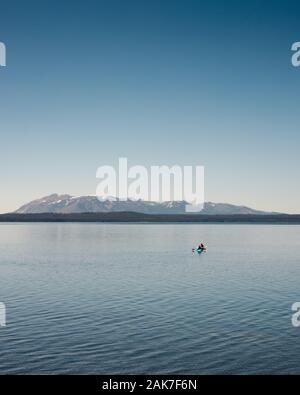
(67,204)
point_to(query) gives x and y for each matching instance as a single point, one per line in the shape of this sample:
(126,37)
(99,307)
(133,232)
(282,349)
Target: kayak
(199,250)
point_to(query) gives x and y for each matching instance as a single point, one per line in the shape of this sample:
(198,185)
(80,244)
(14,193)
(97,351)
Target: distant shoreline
(133,217)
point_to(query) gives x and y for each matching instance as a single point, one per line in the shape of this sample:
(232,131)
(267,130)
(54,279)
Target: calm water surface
(109,298)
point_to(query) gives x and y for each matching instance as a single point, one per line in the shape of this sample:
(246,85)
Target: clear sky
(161,82)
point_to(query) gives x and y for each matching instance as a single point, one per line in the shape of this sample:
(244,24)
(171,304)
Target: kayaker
(201,247)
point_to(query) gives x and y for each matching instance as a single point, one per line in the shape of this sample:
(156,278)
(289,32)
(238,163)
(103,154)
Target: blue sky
(160,82)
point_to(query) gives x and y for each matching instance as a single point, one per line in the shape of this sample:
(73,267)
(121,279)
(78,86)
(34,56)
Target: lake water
(118,298)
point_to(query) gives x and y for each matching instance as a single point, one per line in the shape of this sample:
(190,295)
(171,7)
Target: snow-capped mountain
(65,204)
